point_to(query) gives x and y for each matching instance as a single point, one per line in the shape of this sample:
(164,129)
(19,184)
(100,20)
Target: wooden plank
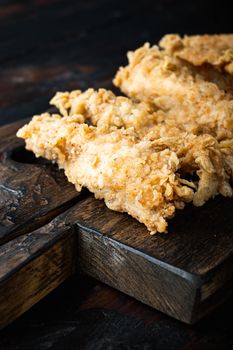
(199,239)
(117,250)
(183,273)
(27,262)
(32,265)
(149,280)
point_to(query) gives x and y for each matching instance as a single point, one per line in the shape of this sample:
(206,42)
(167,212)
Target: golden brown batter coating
(184,94)
(130,176)
(216,50)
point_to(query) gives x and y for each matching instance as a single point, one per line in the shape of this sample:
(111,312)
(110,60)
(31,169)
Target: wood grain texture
(32,265)
(137,275)
(176,273)
(206,232)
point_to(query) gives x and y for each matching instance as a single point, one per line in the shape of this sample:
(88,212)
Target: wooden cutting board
(48,232)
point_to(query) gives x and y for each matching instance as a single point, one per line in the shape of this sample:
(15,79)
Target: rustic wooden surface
(32,265)
(184,274)
(53,45)
(178,273)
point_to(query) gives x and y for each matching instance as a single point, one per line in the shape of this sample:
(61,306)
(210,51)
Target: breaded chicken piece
(216,50)
(131,175)
(136,163)
(184,94)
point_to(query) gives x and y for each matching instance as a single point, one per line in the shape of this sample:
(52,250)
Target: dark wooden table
(53,45)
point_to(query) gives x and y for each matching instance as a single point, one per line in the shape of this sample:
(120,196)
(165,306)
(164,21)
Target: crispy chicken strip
(131,175)
(216,50)
(194,104)
(129,158)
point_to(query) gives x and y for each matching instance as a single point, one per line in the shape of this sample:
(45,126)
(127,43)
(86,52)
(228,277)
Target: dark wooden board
(185,273)
(31,266)
(178,273)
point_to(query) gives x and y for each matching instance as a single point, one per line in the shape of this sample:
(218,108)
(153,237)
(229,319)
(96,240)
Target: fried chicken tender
(131,176)
(182,92)
(130,156)
(216,50)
